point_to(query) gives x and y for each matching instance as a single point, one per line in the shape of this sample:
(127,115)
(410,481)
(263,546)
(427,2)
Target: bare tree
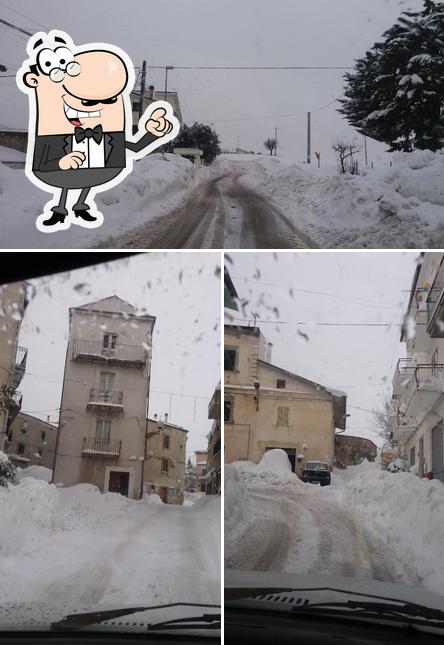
(381,417)
(270,144)
(345,150)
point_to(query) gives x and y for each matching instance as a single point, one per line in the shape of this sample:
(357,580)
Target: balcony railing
(101,447)
(20,357)
(433,298)
(404,371)
(105,399)
(92,350)
(430,375)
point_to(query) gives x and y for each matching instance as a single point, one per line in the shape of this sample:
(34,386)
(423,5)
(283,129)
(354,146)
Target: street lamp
(167,68)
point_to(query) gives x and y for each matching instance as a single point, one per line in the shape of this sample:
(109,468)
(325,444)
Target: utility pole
(237,149)
(142,89)
(365,150)
(275,139)
(167,68)
(308,137)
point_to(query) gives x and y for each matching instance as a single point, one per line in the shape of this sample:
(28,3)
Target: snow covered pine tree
(396,92)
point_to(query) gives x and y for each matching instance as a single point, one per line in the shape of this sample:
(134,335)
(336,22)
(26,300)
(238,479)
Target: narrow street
(314,532)
(219,213)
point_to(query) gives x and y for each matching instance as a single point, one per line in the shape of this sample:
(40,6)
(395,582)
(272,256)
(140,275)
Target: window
(21,448)
(412,456)
(136,106)
(166,442)
(204,471)
(109,341)
(164,465)
(281,383)
(228,410)
(24,428)
(282,416)
(43,435)
(103,429)
(230,358)
(106,382)
(40,452)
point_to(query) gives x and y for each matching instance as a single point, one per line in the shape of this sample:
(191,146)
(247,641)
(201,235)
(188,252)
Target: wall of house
(213,477)
(78,418)
(12,308)
(155,477)
(32,441)
(252,346)
(310,429)
(351,450)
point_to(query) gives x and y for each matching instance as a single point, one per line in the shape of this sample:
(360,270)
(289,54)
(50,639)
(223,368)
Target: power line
(11,26)
(23,15)
(253,67)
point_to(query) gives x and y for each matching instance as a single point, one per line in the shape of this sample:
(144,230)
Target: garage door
(438,453)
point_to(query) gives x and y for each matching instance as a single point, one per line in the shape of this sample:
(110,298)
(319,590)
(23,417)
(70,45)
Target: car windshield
(334,481)
(315,465)
(109,460)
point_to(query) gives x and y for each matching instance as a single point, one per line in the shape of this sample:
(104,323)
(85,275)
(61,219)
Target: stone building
(268,407)
(213,476)
(350,450)
(13,303)
(201,470)
(164,472)
(31,441)
(102,428)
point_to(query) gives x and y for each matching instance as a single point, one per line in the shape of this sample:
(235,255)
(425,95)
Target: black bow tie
(96,133)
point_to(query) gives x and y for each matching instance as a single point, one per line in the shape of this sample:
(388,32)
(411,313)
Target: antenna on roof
(255,317)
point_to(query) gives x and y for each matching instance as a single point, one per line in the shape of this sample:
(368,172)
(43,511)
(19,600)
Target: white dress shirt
(94,152)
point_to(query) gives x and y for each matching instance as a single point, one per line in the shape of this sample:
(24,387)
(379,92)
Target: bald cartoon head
(76,89)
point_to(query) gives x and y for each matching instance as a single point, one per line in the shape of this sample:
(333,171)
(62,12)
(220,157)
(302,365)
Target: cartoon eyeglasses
(55,63)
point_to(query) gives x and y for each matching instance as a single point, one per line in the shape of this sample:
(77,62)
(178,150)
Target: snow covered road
(358,527)
(81,548)
(219,213)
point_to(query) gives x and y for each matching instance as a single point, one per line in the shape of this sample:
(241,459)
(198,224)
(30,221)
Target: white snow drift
(369,523)
(78,548)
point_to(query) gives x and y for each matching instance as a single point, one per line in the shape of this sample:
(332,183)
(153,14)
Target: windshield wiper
(209,621)
(378,605)
(76,621)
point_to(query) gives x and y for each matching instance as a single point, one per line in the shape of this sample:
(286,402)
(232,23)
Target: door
(421,458)
(106,385)
(438,453)
(163,494)
(118,482)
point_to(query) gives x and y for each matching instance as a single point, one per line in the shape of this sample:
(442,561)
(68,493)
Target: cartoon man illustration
(80,123)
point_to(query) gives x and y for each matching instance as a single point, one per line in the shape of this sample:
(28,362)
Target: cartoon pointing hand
(157,124)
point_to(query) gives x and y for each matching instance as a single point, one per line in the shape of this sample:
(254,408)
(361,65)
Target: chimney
(269,352)
(48,418)
(151,92)
(166,417)
(155,417)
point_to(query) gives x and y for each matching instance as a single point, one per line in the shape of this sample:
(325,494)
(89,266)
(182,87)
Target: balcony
(435,312)
(214,405)
(125,355)
(20,356)
(101,447)
(105,400)
(16,405)
(423,391)
(404,372)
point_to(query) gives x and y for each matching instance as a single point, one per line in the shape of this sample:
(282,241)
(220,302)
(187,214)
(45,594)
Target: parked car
(316,472)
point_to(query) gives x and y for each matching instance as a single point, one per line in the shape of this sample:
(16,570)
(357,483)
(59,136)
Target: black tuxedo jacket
(49,149)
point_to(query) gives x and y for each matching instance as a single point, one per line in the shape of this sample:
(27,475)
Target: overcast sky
(365,287)
(181,289)
(223,33)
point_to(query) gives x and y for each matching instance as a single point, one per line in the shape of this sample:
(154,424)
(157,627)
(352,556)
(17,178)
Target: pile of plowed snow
(398,207)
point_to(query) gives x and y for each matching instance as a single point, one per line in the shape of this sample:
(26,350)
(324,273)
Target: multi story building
(201,470)
(101,438)
(165,465)
(213,476)
(13,303)
(268,407)
(417,407)
(151,95)
(31,441)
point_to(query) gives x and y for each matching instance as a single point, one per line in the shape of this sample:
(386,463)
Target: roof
(29,416)
(113,305)
(167,424)
(339,398)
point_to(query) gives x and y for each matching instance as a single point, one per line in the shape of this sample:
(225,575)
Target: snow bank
(157,184)
(398,207)
(37,472)
(407,512)
(78,547)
